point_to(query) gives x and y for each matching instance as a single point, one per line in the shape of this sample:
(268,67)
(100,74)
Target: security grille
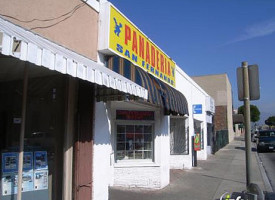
(178,137)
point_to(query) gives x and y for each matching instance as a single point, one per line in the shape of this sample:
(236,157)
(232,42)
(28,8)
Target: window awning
(159,93)
(28,46)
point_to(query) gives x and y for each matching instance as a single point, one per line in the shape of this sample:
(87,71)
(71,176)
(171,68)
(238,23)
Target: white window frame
(134,122)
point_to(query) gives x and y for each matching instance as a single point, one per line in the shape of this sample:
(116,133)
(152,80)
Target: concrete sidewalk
(223,172)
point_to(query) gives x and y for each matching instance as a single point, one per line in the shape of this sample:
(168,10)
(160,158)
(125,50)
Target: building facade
(92,109)
(219,87)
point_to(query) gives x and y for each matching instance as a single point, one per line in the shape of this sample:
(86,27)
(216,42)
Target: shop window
(134,142)
(178,137)
(44,131)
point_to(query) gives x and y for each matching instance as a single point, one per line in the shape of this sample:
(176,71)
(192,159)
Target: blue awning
(159,93)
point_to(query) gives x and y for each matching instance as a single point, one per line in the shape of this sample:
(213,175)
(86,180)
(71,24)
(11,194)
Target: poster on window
(10,181)
(9,162)
(9,184)
(27,181)
(40,160)
(28,161)
(41,180)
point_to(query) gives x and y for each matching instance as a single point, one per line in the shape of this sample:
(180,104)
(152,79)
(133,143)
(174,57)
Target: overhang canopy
(28,46)
(159,93)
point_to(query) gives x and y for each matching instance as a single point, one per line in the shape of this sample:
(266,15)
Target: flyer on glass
(41,180)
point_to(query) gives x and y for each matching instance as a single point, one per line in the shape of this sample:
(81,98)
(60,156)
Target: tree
(270,121)
(254,112)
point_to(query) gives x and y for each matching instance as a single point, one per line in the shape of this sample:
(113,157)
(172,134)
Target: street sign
(197,109)
(254,85)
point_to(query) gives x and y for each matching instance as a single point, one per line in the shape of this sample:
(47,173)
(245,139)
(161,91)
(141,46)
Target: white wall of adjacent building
(194,95)
(102,163)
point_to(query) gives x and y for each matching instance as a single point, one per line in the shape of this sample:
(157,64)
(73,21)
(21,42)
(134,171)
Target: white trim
(93,4)
(43,52)
(1,41)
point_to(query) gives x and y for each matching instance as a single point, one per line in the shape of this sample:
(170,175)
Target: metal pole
(22,133)
(247,122)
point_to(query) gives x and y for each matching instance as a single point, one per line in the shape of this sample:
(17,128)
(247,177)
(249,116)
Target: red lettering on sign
(153,56)
(127,34)
(134,115)
(165,65)
(134,44)
(169,70)
(161,63)
(147,53)
(141,47)
(157,60)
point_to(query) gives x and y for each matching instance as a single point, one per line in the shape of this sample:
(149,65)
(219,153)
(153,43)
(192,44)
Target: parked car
(266,140)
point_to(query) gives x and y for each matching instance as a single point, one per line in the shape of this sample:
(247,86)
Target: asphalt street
(268,161)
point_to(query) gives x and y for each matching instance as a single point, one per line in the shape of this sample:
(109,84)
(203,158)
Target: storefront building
(138,142)
(103,107)
(219,87)
(50,80)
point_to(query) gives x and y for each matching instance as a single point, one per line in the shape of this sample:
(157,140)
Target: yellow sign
(127,41)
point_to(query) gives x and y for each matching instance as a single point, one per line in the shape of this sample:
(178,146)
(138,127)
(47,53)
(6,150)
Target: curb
(263,173)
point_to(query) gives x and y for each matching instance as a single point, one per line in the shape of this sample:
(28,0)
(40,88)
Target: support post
(68,140)
(194,154)
(22,132)
(247,122)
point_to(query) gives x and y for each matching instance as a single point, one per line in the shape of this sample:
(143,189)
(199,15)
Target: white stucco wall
(182,161)
(102,158)
(106,172)
(194,95)
(153,174)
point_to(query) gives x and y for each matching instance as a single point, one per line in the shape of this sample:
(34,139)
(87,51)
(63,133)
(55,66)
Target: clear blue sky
(213,37)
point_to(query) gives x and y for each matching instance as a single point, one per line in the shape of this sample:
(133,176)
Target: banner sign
(197,142)
(134,115)
(126,40)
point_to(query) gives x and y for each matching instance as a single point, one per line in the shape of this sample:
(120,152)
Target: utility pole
(249,89)
(247,122)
